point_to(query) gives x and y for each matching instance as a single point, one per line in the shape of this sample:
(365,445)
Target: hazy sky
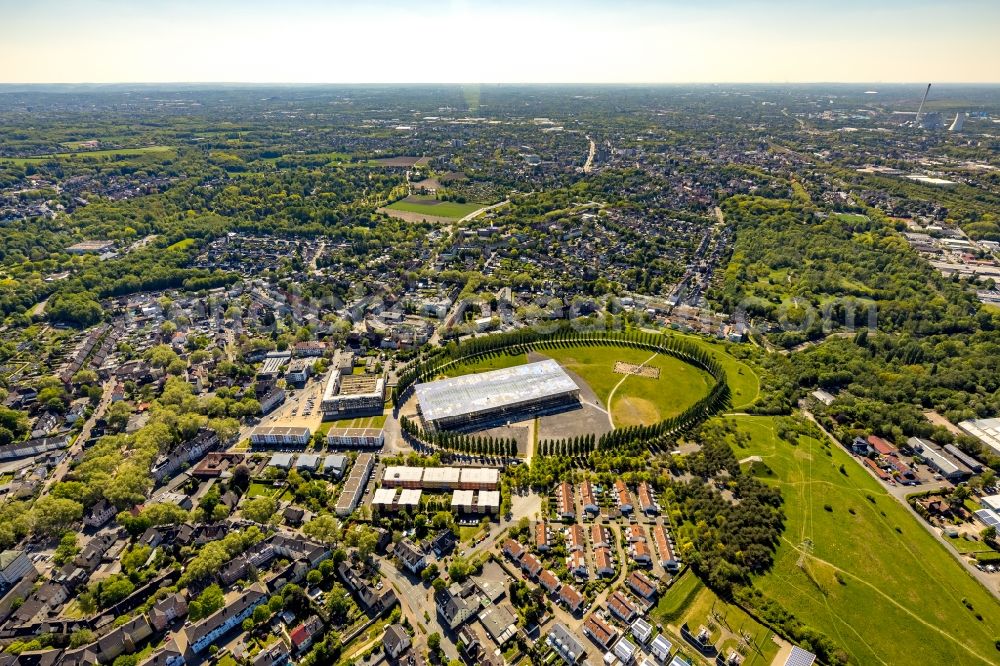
(499,41)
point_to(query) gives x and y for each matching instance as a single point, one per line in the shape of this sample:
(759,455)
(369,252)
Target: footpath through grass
(854,564)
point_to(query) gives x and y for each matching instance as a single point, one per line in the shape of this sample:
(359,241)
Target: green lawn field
(258,489)
(435,208)
(113,152)
(873,579)
(689,601)
(485,364)
(743,381)
(356,422)
(636,400)
(182,244)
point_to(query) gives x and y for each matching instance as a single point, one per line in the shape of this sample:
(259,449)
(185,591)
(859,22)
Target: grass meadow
(871,578)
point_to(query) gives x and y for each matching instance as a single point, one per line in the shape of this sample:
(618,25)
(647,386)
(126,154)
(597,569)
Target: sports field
(872,579)
(431,206)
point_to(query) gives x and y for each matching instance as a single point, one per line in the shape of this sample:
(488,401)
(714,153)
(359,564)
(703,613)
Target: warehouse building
(496,396)
(961,456)
(986,431)
(939,461)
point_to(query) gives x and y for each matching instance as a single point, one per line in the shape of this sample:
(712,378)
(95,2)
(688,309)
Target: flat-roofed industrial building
(986,431)
(479,399)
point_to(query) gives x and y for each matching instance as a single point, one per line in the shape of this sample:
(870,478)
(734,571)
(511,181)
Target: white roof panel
(472,394)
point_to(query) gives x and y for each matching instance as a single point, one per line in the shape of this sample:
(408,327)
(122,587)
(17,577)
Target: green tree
(262,509)
(51,515)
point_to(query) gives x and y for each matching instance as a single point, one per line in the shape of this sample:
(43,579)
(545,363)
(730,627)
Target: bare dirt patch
(409,216)
(623,368)
(429,184)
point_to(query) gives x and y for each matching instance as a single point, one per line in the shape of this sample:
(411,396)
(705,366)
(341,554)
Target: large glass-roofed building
(495,396)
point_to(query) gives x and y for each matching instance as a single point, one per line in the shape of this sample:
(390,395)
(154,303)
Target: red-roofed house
(564,501)
(589,500)
(605,564)
(549,581)
(530,565)
(541,536)
(646,503)
(513,549)
(882,447)
(623,496)
(302,636)
(571,598)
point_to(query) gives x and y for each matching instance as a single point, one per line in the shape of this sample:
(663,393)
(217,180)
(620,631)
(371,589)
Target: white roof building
(488,500)
(625,650)
(642,630)
(384,497)
(470,396)
(986,431)
(661,647)
(991,502)
(462,500)
(408,498)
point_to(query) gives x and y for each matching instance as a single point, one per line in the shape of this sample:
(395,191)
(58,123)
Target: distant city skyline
(588,41)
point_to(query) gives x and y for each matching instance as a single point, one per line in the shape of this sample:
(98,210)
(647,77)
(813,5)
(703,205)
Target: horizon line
(490,83)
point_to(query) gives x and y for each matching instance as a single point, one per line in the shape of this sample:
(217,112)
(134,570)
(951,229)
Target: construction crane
(916,121)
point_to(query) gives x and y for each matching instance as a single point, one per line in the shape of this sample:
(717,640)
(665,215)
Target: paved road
(414,599)
(589,164)
(476,213)
(63,468)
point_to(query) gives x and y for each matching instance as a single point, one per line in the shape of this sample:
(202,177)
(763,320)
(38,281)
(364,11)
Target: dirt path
(611,395)
(937,419)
